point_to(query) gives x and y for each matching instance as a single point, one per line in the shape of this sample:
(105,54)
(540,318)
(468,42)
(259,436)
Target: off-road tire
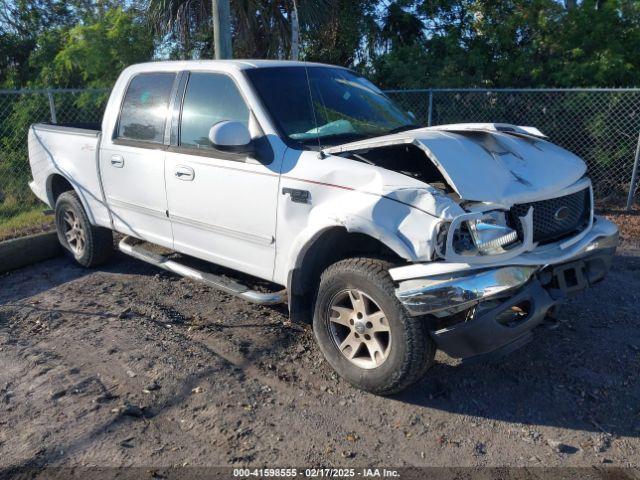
(98,241)
(412,349)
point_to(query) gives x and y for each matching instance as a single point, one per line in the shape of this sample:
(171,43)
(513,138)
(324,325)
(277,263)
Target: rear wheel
(89,245)
(363,330)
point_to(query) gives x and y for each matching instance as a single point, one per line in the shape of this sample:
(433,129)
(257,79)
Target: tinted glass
(145,107)
(332,105)
(210,98)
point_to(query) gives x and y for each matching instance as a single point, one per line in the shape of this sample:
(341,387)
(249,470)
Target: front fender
(407,231)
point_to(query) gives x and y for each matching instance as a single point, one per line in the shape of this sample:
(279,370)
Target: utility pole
(295,32)
(221,14)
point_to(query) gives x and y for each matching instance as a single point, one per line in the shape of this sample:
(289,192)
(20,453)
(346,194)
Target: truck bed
(68,150)
(95,126)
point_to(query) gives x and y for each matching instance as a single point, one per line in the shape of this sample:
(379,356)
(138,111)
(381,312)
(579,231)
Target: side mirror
(228,136)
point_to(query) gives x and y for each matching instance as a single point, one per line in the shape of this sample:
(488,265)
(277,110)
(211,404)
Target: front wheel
(89,245)
(363,330)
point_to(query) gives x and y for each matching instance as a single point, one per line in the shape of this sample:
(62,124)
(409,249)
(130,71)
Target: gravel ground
(126,366)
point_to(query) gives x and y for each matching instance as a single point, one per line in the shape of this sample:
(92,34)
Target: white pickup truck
(393,239)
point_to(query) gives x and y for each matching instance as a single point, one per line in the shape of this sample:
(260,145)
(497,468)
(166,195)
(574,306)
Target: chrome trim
(603,243)
(114,202)
(250,237)
(445,292)
(464,287)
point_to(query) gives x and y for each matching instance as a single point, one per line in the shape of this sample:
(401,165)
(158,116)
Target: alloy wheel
(73,232)
(359,328)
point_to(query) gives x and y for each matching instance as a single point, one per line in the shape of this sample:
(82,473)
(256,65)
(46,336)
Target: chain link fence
(600,125)
(19,209)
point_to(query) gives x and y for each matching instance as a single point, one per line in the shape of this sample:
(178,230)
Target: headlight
(491,234)
(486,235)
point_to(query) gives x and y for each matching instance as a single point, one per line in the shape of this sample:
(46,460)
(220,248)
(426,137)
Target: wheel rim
(359,328)
(73,232)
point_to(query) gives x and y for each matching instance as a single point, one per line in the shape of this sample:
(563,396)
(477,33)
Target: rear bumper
(478,312)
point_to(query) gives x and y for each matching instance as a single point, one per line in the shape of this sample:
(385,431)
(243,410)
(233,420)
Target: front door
(222,205)
(132,160)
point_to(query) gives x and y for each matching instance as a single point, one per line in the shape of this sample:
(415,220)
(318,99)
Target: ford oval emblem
(561,214)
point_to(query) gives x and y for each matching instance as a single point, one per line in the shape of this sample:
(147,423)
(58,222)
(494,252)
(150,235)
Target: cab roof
(239,64)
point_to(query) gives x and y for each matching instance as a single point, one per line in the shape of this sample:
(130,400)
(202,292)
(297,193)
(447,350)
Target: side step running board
(131,246)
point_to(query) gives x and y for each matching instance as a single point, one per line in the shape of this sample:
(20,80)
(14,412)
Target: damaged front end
(479,310)
(515,230)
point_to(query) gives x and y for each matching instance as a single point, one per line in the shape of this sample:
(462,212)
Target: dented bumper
(481,311)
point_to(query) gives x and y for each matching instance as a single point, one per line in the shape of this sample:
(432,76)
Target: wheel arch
(57,184)
(329,246)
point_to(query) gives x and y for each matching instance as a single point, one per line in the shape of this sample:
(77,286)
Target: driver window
(210,98)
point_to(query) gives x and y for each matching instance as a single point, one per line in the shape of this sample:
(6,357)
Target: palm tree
(261,28)
(175,20)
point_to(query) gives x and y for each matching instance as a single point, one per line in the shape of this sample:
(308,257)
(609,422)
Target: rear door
(132,159)
(222,205)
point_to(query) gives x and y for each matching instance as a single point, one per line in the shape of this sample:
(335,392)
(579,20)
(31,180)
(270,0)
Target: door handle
(117,161)
(184,173)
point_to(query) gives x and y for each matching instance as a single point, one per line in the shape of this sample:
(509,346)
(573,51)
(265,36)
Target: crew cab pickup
(394,240)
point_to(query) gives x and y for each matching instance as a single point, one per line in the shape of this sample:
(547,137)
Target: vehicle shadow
(578,373)
(32,280)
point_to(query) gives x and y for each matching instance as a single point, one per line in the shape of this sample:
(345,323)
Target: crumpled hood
(501,164)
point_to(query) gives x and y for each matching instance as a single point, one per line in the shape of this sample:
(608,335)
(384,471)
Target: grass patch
(24,223)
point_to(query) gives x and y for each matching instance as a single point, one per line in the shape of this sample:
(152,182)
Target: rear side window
(145,107)
(210,98)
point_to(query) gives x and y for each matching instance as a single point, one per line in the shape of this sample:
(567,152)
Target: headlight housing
(490,234)
(478,235)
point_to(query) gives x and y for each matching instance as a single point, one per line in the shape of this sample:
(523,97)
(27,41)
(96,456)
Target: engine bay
(406,159)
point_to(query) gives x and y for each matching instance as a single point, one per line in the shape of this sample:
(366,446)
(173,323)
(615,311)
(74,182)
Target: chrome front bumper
(540,279)
(446,295)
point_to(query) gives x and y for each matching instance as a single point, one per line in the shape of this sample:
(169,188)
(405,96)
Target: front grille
(554,218)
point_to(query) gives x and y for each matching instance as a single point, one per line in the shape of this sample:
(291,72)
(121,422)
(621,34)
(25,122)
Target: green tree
(597,45)
(511,43)
(90,52)
(94,54)
(22,22)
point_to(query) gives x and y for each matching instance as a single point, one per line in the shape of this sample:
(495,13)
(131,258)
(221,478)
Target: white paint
(488,166)
(229,134)
(235,213)
(72,155)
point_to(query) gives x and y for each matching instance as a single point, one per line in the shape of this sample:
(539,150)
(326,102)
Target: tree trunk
(570,4)
(221,17)
(295,32)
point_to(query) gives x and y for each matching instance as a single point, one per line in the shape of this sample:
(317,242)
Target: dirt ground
(128,366)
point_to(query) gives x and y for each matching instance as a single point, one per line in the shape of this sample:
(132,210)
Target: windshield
(334,106)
